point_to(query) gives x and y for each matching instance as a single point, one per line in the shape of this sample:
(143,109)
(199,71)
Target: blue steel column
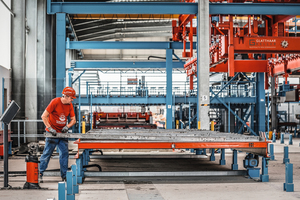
(260,102)
(79,102)
(91,115)
(87,91)
(180,117)
(190,115)
(252,117)
(60,52)
(3,80)
(228,117)
(222,160)
(212,155)
(264,177)
(70,73)
(268,117)
(234,165)
(169,98)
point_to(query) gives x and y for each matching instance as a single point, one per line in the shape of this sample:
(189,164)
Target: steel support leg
(264,177)
(70,194)
(84,159)
(199,152)
(75,186)
(62,191)
(290,139)
(5,155)
(282,138)
(80,174)
(234,165)
(288,186)
(272,157)
(286,155)
(180,117)
(212,155)
(222,160)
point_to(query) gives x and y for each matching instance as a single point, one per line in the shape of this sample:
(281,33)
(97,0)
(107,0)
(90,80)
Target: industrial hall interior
(149,99)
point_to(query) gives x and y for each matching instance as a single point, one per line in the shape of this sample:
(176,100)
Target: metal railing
(158,88)
(153,88)
(247,89)
(19,121)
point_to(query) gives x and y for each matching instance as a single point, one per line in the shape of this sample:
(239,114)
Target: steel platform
(166,139)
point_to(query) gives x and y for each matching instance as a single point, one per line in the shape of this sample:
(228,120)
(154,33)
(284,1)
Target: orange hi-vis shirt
(58,114)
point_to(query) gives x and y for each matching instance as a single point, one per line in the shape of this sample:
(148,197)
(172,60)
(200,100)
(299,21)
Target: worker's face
(69,99)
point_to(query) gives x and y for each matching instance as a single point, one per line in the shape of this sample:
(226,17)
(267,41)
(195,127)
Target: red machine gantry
(251,36)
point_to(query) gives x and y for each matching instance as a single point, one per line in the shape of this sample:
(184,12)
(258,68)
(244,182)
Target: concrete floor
(172,188)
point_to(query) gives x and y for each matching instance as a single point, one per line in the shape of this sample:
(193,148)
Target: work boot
(63,179)
(41,178)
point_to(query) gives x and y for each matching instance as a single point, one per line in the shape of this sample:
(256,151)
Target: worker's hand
(65,129)
(52,131)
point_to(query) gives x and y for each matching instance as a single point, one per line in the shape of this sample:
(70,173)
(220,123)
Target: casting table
(166,139)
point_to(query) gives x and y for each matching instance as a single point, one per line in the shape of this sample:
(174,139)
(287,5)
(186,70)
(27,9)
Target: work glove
(65,129)
(52,131)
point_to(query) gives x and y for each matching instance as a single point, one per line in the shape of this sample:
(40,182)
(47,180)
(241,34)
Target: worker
(55,119)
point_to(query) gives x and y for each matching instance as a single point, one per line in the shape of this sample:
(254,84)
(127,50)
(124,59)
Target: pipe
(159,57)
(8,8)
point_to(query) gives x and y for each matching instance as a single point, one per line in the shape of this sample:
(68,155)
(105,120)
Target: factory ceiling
(116,27)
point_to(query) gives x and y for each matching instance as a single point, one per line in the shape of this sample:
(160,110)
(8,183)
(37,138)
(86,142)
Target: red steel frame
(170,145)
(251,39)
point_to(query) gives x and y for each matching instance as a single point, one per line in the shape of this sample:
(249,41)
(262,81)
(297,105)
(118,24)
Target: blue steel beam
(78,77)
(228,83)
(60,52)
(228,107)
(125,45)
(171,8)
(121,8)
(245,119)
(124,64)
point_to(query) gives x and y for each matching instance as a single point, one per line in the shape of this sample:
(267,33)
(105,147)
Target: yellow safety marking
(212,125)
(83,127)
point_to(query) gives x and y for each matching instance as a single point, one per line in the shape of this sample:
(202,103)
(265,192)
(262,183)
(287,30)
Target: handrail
(24,128)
